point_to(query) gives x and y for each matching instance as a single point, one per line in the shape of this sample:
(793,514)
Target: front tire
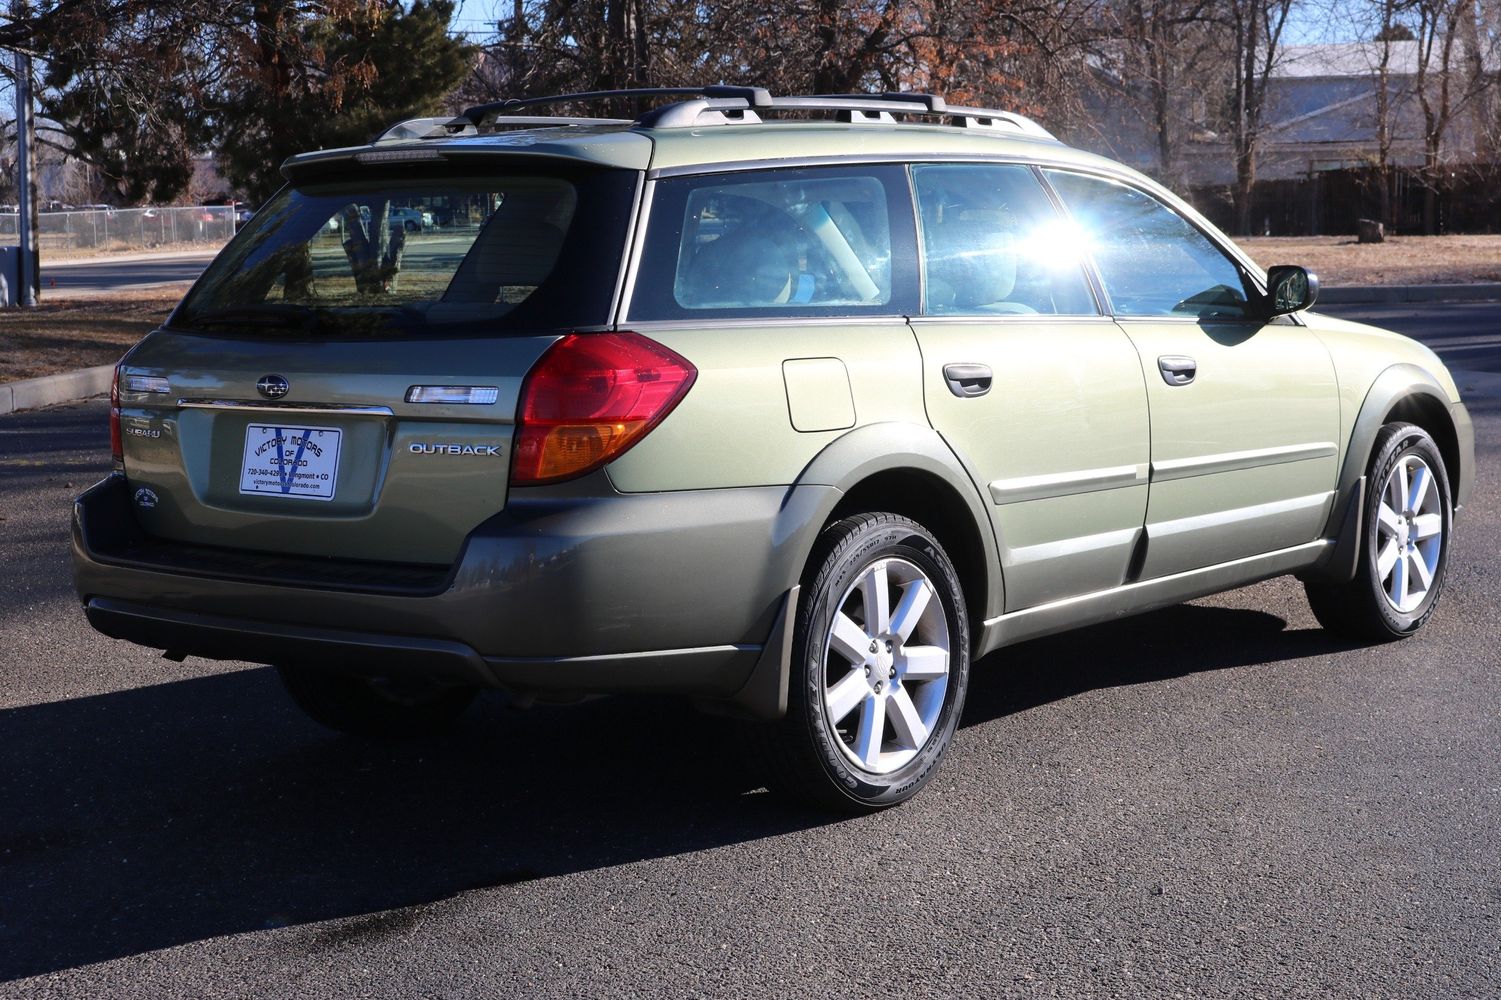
(1405,533)
(375,707)
(880,668)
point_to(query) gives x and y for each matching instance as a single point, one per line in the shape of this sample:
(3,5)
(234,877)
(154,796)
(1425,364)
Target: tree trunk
(1245,183)
(1432,180)
(827,74)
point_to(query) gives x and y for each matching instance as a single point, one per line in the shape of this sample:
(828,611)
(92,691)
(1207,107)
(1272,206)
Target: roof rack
(714,105)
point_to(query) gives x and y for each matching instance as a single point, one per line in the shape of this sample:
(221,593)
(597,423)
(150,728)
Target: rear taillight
(589,398)
(116,440)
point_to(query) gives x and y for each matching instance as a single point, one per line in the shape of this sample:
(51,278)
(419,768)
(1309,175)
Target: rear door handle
(968,380)
(1177,370)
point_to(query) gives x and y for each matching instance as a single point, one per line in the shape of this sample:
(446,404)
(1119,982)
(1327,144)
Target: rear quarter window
(778,243)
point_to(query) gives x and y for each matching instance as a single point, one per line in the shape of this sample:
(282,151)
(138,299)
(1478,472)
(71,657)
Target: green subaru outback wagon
(795,418)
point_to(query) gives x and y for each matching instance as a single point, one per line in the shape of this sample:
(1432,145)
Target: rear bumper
(671,593)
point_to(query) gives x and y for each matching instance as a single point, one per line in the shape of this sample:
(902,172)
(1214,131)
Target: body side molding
(1062,484)
(1232,461)
(1147,595)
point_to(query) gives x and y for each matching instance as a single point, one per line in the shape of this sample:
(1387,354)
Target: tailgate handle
(967,380)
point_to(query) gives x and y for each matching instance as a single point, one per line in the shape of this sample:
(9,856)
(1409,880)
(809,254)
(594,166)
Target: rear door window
(803,242)
(994,245)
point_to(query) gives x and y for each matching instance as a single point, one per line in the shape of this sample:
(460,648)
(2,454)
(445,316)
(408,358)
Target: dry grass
(1401,260)
(121,248)
(62,335)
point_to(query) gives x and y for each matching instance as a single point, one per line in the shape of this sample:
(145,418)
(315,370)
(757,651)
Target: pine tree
(253,82)
(319,83)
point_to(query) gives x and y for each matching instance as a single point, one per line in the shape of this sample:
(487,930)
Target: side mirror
(1290,289)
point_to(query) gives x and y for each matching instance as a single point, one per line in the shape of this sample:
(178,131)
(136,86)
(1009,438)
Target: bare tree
(1255,28)
(1451,75)
(1389,33)
(1019,53)
(1153,56)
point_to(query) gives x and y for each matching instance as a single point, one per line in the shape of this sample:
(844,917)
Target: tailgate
(341,465)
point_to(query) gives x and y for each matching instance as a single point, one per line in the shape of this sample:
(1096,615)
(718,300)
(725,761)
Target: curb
(1376,294)
(74,294)
(32,393)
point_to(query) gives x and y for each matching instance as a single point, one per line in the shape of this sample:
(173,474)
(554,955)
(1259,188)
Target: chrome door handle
(1177,370)
(968,380)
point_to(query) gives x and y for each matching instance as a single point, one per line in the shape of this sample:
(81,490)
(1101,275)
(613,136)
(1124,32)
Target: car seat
(972,268)
(744,267)
(515,248)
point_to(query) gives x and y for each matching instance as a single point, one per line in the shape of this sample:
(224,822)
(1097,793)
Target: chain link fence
(103,230)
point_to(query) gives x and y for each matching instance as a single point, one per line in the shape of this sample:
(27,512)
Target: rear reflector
(116,439)
(478,394)
(589,398)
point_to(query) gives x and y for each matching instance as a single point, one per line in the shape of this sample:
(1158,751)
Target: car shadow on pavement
(161,815)
(1174,642)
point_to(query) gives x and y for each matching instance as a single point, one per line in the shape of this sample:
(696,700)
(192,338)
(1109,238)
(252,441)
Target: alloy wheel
(886,666)
(1409,533)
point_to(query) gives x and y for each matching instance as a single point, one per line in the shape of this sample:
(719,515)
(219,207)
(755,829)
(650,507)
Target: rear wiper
(286,316)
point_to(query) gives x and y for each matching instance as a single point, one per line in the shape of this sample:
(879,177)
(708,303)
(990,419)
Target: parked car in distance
(411,219)
(798,419)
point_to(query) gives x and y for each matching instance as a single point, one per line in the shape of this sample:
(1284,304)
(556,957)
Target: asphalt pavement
(1467,335)
(107,275)
(1214,800)
(140,272)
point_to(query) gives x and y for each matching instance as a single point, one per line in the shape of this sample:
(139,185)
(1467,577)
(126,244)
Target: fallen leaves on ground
(63,335)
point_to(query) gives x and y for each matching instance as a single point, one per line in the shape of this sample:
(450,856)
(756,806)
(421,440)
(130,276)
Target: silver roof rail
(753,96)
(716,105)
(934,104)
(1003,120)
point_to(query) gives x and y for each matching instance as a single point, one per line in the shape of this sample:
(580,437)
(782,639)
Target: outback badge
(423,448)
(273,386)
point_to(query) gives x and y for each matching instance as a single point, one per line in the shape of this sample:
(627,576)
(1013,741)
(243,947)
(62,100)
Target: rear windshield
(441,256)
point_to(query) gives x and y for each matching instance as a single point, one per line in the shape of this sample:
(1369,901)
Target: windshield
(448,254)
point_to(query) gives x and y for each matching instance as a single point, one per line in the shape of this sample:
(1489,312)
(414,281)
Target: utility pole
(31,278)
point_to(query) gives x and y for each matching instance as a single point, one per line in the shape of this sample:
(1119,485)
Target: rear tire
(375,707)
(1404,546)
(880,666)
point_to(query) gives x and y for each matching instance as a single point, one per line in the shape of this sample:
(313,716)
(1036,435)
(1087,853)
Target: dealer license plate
(288,461)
